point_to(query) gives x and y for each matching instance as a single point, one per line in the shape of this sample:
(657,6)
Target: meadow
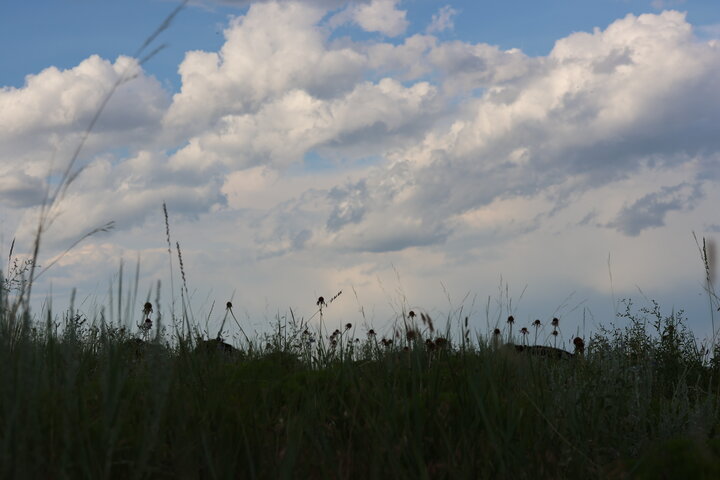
(104,397)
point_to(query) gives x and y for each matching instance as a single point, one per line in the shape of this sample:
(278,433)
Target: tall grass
(87,398)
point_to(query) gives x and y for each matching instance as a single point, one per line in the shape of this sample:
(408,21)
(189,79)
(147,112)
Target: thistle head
(579,345)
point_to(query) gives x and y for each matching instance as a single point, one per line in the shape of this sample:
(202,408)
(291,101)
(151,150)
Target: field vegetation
(104,397)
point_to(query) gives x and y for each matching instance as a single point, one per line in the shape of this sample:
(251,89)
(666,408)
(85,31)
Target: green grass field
(84,398)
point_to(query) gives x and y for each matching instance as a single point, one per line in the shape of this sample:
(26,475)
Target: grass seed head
(427,321)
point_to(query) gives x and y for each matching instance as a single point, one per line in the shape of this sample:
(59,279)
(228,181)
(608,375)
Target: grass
(84,398)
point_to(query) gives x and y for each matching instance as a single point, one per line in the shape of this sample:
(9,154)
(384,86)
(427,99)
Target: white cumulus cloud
(442,20)
(380,16)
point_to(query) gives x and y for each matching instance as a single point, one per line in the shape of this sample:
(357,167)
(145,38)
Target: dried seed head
(536,323)
(321,302)
(348,326)
(710,258)
(524,330)
(371,333)
(555,333)
(228,305)
(579,345)
(147,309)
(555,322)
(411,314)
(496,332)
(410,335)
(511,319)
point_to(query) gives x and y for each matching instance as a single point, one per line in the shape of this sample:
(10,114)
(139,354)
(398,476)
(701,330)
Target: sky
(459,158)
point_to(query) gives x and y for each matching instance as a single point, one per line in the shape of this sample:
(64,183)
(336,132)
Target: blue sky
(36,34)
(417,154)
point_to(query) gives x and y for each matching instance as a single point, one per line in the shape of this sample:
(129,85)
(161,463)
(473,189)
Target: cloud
(650,210)
(442,20)
(560,118)
(126,193)
(272,50)
(380,16)
(366,119)
(452,127)
(349,205)
(599,109)
(329,158)
(43,122)
(20,190)
(54,103)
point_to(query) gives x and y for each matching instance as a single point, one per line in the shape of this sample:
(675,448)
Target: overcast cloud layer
(296,163)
